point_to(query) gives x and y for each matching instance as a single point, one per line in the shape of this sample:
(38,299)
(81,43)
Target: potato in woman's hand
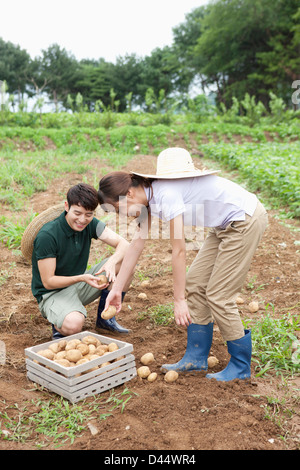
(109,313)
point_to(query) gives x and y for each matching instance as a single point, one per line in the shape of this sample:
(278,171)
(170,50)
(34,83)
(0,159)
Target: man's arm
(50,281)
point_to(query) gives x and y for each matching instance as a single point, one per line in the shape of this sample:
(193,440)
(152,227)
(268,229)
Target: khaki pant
(218,273)
(57,304)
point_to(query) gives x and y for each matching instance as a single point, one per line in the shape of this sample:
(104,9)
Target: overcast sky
(93,28)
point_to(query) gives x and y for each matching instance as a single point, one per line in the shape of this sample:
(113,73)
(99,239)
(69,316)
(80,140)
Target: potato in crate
(80,365)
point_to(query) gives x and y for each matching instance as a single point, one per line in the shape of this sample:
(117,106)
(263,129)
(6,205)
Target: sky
(93,29)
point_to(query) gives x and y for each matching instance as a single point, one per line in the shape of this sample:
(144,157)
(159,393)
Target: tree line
(234,47)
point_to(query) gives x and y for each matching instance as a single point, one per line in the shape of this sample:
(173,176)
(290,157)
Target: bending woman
(180,194)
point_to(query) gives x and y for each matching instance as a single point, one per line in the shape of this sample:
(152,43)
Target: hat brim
(34,227)
(172,176)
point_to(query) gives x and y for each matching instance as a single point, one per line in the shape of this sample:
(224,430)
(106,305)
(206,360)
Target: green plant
(57,421)
(159,314)
(11,232)
(272,341)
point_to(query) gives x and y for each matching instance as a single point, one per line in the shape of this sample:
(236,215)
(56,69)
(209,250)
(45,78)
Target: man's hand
(93,281)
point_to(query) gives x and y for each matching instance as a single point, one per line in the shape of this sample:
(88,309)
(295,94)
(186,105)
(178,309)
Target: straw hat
(34,227)
(175,163)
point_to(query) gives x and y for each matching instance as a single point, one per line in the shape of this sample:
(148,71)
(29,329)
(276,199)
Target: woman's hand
(114,298)
(109,268)
(181,313)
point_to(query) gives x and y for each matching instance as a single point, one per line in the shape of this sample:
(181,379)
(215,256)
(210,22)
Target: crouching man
(61,282)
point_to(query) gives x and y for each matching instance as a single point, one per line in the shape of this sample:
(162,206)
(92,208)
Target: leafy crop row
(267,158)
(273,168)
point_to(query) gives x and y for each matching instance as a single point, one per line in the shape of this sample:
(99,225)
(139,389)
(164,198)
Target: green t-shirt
(57,239)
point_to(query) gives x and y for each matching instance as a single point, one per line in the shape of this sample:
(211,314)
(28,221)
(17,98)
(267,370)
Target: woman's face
(134,203)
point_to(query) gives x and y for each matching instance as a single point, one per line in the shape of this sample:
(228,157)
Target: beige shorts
(57,304)
(218,273)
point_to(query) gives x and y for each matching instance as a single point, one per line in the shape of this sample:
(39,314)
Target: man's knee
(72,324)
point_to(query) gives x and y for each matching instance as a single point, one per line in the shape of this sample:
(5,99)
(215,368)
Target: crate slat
(78,382)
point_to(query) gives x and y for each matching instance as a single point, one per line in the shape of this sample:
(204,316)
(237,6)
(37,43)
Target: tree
(186,36)
(57,70)
(14,61)
(248,46)
(158,72)
(93,81)
(125,78)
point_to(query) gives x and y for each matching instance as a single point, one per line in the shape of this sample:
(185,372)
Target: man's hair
(84,195)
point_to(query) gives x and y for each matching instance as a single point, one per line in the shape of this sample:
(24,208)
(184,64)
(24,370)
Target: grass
(272,343)
(11,232)
(159,314)
(273,339)
(56,421)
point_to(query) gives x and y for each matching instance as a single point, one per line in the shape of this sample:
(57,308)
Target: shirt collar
(69,232)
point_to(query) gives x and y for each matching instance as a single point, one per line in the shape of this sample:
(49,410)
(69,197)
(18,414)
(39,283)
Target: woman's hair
(117,183)
(84,195)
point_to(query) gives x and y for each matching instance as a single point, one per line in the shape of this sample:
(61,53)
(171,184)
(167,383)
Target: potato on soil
(152,377)
(212,361)
(147,359)
(142,296)
(143,372)
(253,307)
(171,376)
(73,355)
(109,313)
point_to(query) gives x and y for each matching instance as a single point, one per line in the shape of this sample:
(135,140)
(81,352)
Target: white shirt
(205,201)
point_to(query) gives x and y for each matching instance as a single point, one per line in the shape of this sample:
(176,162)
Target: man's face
(78,217)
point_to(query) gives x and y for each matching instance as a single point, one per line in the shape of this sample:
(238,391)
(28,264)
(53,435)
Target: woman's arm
(181,312)
(114,240)
(128,265)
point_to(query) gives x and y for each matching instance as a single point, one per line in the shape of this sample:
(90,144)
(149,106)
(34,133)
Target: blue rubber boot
(199,339)
(239,366)
(111,324)
(56,334)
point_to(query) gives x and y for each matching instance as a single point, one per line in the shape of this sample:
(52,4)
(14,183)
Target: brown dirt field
(193,413)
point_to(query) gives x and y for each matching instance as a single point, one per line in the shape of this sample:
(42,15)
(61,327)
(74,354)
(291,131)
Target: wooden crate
(79,382)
